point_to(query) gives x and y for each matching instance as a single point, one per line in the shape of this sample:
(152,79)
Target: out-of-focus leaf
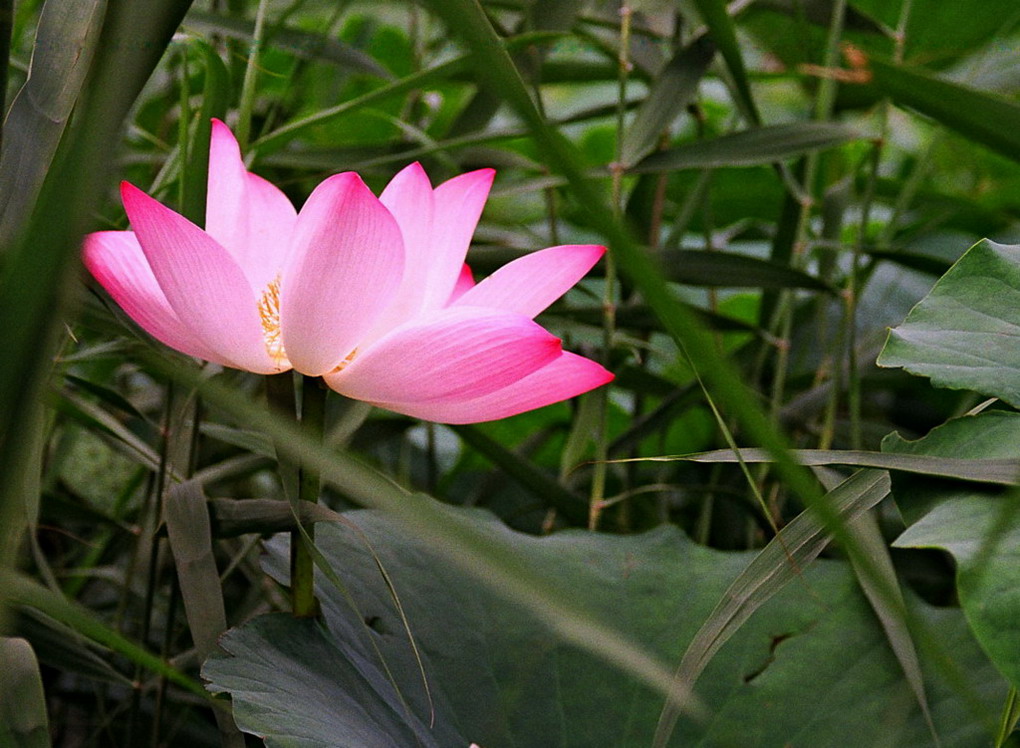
(64,43)
(716,17)
(983,117)
(303,43)
(964,334)
(672,89)
(190,533)
(819,12)
(731,270)
(498,679)
(215,100)
(980,528)
(760,145)
(546,487)
(59,646)
(39,271)
(23,720)
(18,589)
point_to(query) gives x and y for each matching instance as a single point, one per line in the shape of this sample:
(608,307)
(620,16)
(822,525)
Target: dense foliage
(781,524)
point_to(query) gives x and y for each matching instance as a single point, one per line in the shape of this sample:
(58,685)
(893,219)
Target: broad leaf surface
(965,334)
(497,677)
(980,527)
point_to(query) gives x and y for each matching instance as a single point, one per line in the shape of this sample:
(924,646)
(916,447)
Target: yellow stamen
(343,364)
(269,313)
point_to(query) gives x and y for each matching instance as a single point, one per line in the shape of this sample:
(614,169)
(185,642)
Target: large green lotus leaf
(812,667)
(978,525)
(965,334)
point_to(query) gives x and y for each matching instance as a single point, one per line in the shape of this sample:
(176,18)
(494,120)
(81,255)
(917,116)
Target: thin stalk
(148,533)
(302,564)
(598,481)
(247,103)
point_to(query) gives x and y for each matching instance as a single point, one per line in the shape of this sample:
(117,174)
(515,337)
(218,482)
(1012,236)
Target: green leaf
(731,270)
(60,647)
(23,720)
(981,116)
(18,589)
(1005,471)
(980,528)
(716,16)
(64,43)
(754,147)
(674,87)
(498,679)
(965,334)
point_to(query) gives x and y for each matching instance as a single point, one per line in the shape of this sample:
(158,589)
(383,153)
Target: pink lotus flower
(372,294)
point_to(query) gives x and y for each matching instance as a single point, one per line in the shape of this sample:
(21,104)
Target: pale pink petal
(247,215)
(565,377)
(458,207)
(115,259)
(408,197)
(531,283)
(465,281)
(347,262)
(454,355)
(202,282)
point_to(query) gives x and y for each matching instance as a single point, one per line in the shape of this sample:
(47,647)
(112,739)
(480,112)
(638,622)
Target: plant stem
(302,566)
(598,483)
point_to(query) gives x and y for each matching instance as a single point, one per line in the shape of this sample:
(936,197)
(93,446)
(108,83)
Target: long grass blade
(777,564)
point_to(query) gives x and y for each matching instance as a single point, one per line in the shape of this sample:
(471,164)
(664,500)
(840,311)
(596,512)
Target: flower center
(269,313)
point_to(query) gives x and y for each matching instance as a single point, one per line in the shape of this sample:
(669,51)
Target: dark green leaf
(731,270)
(761,145)
(716,17)
(672,89)
(983,117)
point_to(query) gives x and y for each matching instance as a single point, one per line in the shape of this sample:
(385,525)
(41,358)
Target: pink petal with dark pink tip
(465,282)
(116,261)
(458,206)
(455,354)
(202,282)
(531,283)
(565,377)
(347,262)
(247,215)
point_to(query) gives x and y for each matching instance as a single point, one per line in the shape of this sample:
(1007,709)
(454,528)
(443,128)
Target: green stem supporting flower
(299,482)
(302,565)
